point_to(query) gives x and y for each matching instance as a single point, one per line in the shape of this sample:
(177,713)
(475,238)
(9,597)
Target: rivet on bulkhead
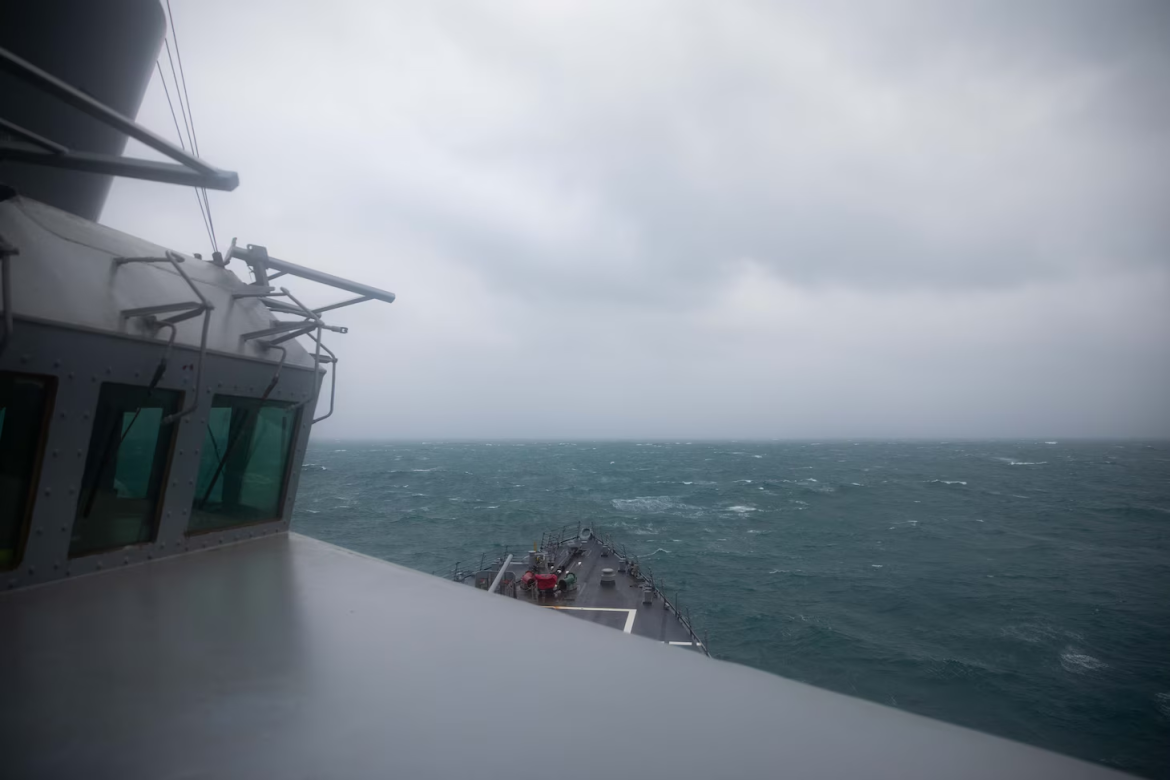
(32,570)
(56,364)
(48,492)
(99,564)
(79,453)
(53,453)
(109,370)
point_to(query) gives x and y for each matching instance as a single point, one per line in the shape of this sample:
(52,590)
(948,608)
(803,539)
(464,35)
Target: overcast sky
(717,219)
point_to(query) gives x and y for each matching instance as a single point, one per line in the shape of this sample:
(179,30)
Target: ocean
(1018,588)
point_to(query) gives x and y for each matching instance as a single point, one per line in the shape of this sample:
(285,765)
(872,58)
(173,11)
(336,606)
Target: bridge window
(244,462)
(125,469)
(24,408)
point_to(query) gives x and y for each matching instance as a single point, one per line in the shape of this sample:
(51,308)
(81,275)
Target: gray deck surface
(285,657)
(593,602)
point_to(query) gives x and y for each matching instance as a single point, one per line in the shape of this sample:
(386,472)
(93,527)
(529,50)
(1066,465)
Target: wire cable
(167,92)
(188,125)
(189,115)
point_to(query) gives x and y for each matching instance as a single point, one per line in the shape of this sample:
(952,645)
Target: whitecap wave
(814,485)
(1079,663)
(741,509)
(947,482)
(1014,462)
(659,550)
(655,505)
(1032,633)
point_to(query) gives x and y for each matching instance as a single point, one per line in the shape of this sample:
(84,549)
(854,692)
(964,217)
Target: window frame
(34,481)
(285,479)
(157,515)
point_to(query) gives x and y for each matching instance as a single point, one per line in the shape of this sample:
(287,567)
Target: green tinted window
(23,405)
(244,462)
(125,468)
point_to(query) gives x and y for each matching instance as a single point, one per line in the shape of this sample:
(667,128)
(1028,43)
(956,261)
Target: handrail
(186,309)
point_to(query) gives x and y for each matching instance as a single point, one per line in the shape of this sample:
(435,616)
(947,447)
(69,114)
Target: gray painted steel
(287,657)
(106,49)
(69,296)
(66,273)
(591,601)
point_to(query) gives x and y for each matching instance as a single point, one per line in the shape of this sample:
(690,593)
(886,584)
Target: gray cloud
(706,220)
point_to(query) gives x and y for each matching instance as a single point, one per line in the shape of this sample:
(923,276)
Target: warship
(158,617)
(590,577)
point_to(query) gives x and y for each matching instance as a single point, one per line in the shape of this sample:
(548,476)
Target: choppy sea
(1019,588)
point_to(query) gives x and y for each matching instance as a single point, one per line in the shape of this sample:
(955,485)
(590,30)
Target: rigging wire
(182,75)
(191,114)
(167,92)
(188,125)
(188,113)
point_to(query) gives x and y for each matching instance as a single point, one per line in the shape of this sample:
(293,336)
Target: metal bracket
(36,150)
(187,309)
(258,257)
